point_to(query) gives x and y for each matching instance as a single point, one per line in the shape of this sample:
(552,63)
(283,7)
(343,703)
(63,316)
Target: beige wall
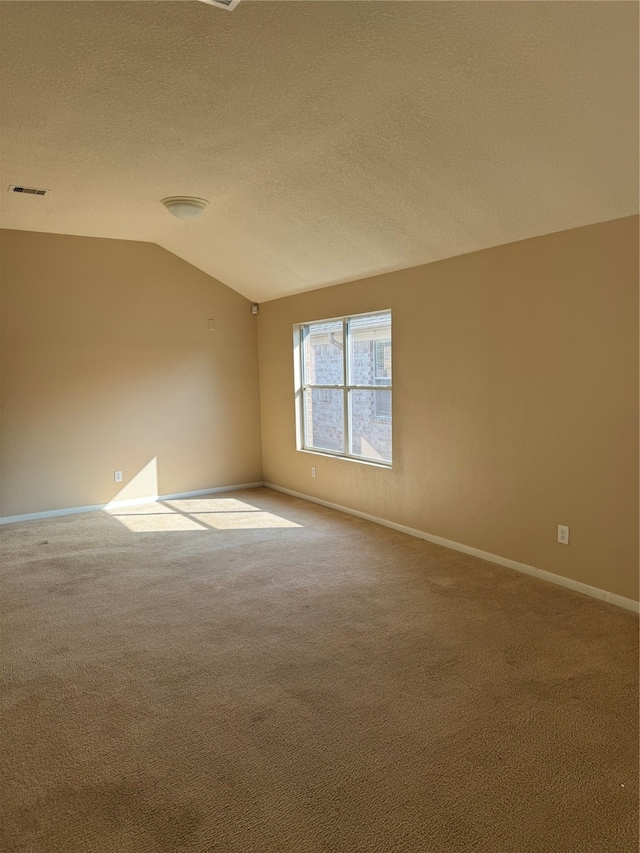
(107,363)
(515,390)
(515,401)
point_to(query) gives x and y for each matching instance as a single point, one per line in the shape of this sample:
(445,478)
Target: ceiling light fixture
(222,4)
(185,207)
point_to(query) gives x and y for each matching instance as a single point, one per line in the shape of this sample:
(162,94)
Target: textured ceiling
(334,140)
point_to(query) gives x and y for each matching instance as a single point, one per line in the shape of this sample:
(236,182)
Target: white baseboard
(74,510)
(576,586)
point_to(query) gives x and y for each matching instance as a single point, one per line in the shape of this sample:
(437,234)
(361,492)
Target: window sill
(371,462)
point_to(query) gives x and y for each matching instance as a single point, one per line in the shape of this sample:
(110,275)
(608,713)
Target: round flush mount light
(185,207)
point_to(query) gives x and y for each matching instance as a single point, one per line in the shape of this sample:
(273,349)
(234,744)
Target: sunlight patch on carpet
(243,520)
(189,515)
(210,505)
(161,523)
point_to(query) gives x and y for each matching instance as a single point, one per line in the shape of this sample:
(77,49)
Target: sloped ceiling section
(334,140)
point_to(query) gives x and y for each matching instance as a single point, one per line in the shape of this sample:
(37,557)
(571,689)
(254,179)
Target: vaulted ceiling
(334,140)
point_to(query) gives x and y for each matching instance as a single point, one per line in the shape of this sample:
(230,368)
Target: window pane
(382,404)
(370,424)
(370,349)
(324,419)
(323,353)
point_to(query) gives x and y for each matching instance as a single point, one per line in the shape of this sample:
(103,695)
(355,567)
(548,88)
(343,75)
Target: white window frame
(301,387)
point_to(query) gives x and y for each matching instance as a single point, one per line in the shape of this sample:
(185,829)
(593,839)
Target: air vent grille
(27,190)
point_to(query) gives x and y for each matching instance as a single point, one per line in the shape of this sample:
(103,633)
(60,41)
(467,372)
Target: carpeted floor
(250,672)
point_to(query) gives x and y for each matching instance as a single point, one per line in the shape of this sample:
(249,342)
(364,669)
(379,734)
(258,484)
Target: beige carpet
(251,672)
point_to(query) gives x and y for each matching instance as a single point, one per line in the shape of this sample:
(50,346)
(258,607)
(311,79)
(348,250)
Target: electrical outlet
(563,534)
(313,470)
(117,476)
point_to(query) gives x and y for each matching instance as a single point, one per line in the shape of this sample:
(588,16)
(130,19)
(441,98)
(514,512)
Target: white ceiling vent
(222,4)
(27,190)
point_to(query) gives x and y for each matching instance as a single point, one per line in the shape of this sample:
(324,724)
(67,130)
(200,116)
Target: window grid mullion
(345,379)
(349,387)
(310,386)
(303,373)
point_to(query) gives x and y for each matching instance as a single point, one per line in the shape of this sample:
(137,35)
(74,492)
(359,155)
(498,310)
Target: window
(343,378)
